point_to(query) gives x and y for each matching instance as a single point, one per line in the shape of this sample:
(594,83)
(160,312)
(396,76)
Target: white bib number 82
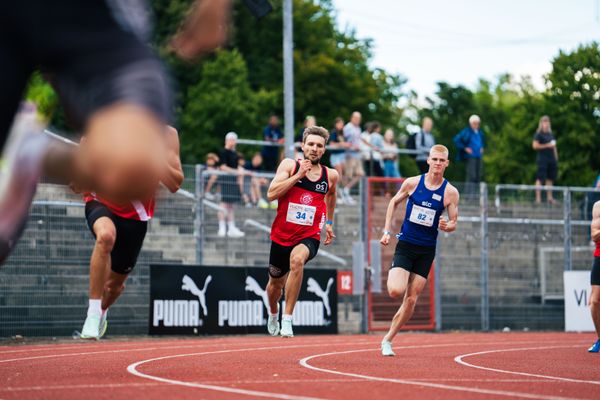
(422,216)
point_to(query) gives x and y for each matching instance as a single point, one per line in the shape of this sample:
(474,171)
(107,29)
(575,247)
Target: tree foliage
(510,110)
(239,86)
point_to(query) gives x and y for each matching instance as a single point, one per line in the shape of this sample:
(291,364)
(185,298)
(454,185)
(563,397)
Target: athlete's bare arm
(451,198)
(408,186)
(595,229)
(174,174)
(204,29)
(285,178)
(330,199)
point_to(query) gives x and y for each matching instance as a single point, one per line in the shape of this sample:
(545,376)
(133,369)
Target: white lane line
(141,349)
(244,382)
(82,386)
(104,343)
(304,362)
(132,369)
(460,360)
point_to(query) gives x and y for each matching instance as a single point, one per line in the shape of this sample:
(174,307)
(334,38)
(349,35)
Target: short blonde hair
(440,148)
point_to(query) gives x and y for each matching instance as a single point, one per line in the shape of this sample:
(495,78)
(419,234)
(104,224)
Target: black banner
(232,300)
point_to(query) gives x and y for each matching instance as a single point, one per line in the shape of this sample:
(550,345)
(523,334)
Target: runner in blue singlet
(427,196)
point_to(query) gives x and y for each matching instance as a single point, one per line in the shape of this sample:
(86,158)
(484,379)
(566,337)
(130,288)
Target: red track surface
(428,366)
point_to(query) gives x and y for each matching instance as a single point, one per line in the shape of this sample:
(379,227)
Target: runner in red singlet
(119,231)
(306,194)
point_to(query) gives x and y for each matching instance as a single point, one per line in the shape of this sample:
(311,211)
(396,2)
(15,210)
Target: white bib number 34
(301,214)
(422,216)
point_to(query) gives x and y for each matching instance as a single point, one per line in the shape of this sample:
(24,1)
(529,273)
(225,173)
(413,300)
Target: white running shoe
(234,232)
(91,327)
(286,328)
(273,323)
(386,349)
(221,232)
(103,325)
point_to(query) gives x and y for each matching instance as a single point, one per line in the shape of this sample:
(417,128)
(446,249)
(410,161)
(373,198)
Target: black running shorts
(413,258)
(279,258)
(595,278)
(129,240)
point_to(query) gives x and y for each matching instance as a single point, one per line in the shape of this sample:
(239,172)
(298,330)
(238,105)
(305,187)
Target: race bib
(422,216)
(301,214)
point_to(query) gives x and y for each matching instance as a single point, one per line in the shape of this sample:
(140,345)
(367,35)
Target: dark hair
(315,130)
(338,119)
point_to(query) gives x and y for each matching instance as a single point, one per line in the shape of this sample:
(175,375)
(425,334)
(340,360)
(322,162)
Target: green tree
(220,101)
(573,99)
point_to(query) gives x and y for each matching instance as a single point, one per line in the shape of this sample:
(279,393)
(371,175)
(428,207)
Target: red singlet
(301,211)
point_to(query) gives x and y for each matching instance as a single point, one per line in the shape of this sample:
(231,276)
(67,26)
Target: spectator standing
(354,168)
(337,153)
(366,149)
(390,155)
(544,144)
(376,143)
(470,143)
(256,182)
(424,141)
(230,187)
(212,164)
(271,133)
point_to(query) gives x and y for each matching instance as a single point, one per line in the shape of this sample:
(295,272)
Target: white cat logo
(254,287)
(190,286)
(313,287)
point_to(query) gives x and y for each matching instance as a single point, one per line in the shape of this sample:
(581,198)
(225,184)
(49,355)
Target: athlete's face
(314,148)
(438,162)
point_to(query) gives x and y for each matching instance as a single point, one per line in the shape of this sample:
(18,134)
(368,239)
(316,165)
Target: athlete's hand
(385,239)
(204,29)
(443,225)
(305,166)
(329,236)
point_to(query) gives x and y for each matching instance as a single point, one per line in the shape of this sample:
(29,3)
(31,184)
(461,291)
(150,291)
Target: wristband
(387,233)
(329,222)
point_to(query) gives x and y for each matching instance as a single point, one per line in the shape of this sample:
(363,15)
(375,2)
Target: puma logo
(190,286)
(313,287)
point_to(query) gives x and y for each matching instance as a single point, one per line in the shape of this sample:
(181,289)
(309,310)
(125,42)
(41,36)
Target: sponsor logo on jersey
(321,187)
(306,198)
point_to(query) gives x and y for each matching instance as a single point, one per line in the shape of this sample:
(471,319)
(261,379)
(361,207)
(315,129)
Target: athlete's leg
(595,307)
(106,234)
(114,286)
(274,292)
(298,258)
(416,284)
(397,282)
